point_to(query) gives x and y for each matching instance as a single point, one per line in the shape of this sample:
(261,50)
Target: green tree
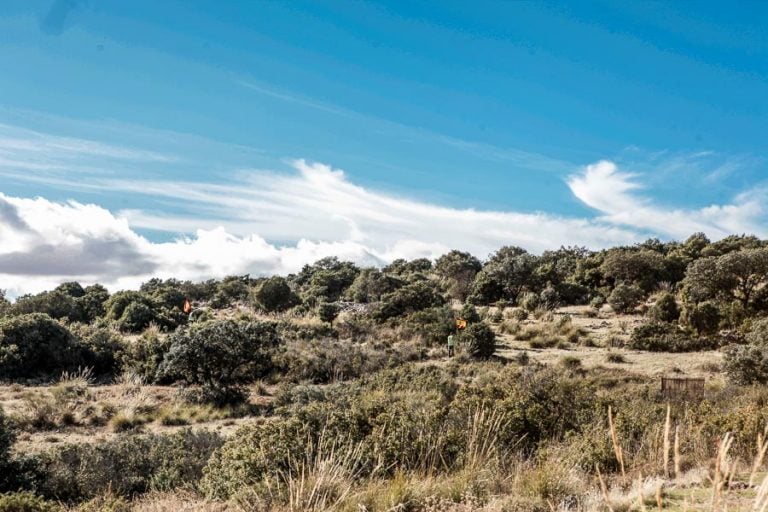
(457,270)
(220,356)
(328,311)
(644,268)
(55,304)
(371,284)
(625,297)
(274,294)
(411,297)
(92,302)
(736,275)
(35,345)
(508,272)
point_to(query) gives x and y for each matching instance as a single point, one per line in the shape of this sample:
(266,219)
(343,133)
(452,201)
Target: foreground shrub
(16,472)
(26,502)
(127,465)
(220,356)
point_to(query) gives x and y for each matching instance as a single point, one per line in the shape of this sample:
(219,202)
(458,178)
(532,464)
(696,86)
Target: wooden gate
(675,386)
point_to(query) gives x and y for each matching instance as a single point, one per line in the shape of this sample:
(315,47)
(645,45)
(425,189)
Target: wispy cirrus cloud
(616,195)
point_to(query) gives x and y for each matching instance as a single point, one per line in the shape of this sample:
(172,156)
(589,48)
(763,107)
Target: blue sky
(629,119)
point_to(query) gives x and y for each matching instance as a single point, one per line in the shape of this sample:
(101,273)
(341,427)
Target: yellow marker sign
(461,324)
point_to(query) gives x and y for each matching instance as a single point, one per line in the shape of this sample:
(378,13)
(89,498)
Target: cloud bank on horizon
(265,222)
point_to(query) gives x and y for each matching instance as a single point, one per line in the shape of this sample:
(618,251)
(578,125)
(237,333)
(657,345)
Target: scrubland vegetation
(331,389)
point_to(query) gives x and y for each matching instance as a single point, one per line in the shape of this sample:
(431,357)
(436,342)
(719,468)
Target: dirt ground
(601,329)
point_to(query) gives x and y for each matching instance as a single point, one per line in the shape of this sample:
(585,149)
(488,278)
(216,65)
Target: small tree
(457,271)
(220,356)
(328,311)
(479,340)
(274,294)
(36,346)
(625,297)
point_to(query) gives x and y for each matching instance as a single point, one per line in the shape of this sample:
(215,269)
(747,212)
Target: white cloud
(264,222)
(317,211)
(612,192)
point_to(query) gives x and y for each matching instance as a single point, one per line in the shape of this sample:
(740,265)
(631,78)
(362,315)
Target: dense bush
(411,297)
(432,325)
(274,294)
(135,311)
(144,355)
(102,348)
(479,340)
(704,317)
(746,364)
(667,337)
(327,311)
(625,297)
(16,472)
(220,356)
(55,304)
(127,465)
(372,284)
(664,309)
(37,346)
(26,502)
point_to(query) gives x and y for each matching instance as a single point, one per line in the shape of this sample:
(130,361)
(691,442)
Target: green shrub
(103,348)
(597,302)
(144,355)
(666,337)
(109,502)
(431,325)
(253,454)
(479,339)
(664,309)
(570,362)
(469,313)
(625,298)
(56,304)
(220,356)
(36,346)
(529,301)
(408,299)
(25,502)
(16,472)
(327,311)
(704,317)
(519,314)
(274,294)
(746,364)
(127,465)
